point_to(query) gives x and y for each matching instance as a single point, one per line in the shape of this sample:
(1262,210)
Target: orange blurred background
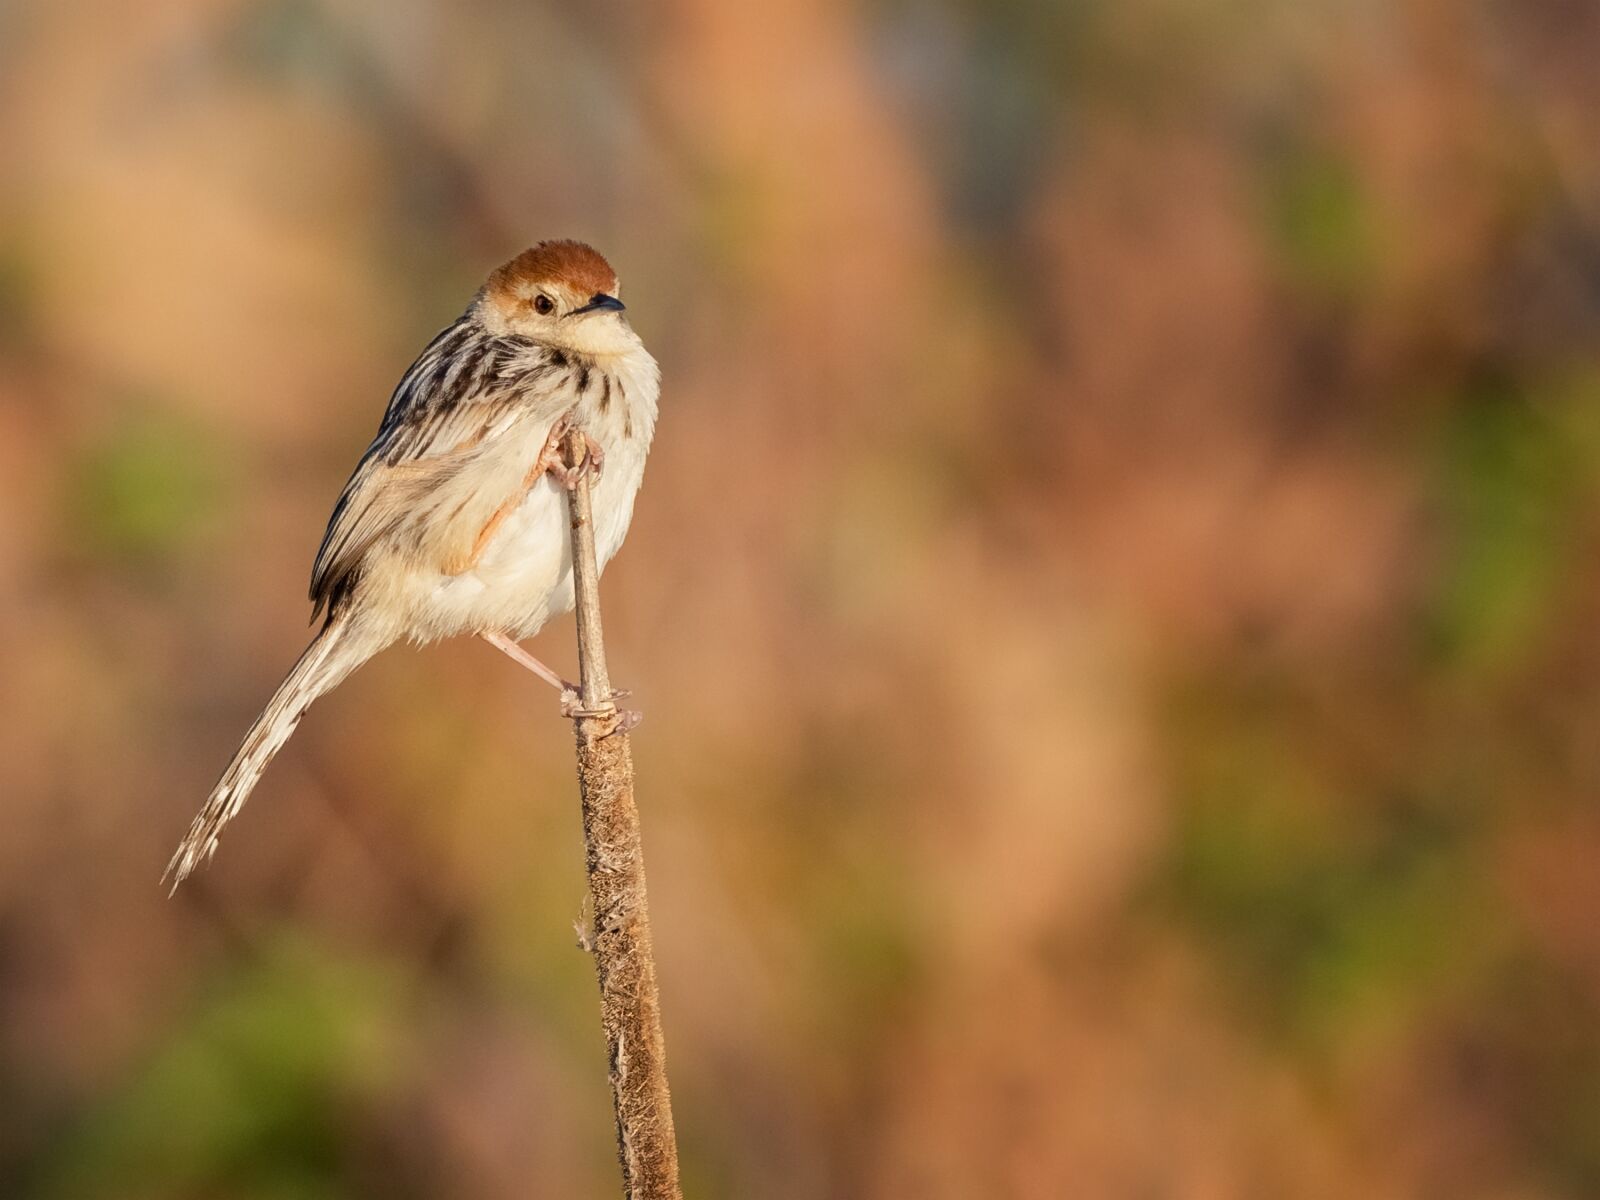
(1116,598)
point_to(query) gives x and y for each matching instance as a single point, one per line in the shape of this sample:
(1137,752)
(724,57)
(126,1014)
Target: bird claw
(572,701)
(555,461)
(623,719)
(595,456)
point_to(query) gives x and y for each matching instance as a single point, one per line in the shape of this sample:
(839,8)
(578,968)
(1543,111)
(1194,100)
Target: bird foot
(554,459)
(623,719)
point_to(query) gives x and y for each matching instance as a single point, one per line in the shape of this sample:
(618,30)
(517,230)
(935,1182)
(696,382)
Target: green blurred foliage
(1338,922)
(254,1091)
(1518,468)
(1324,226)
(147,488)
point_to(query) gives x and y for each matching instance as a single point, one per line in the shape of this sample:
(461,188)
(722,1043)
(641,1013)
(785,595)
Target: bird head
(560,293)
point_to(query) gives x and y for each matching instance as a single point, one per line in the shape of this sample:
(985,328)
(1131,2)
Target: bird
(454,521)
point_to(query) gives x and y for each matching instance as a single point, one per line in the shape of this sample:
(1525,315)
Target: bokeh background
(1116,598)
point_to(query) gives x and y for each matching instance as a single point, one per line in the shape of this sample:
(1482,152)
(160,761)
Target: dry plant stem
(630,1008)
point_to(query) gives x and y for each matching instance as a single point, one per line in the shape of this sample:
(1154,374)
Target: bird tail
(331,656)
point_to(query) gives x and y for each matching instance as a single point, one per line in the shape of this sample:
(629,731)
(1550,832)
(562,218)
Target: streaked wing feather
(465,390)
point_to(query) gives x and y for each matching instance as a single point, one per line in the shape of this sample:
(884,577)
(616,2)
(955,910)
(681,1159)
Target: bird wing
(453,412)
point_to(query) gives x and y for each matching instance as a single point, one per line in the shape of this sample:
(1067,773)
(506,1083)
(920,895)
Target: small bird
(454,521)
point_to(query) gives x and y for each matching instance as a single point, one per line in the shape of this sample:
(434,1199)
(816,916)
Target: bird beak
(600,303)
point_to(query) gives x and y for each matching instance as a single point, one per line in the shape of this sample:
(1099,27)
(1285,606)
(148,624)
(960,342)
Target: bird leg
(571,700)
(459,564)
(522,658)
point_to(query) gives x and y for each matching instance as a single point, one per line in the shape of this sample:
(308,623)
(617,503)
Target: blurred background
(1116,598)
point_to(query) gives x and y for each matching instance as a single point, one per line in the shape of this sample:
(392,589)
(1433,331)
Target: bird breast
(524,575)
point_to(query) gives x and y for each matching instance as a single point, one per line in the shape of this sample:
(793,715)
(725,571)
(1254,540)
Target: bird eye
(543,305)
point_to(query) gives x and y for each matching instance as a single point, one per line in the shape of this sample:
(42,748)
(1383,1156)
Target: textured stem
(630,1007)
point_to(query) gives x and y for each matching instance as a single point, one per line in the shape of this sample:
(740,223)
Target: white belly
(524,575)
